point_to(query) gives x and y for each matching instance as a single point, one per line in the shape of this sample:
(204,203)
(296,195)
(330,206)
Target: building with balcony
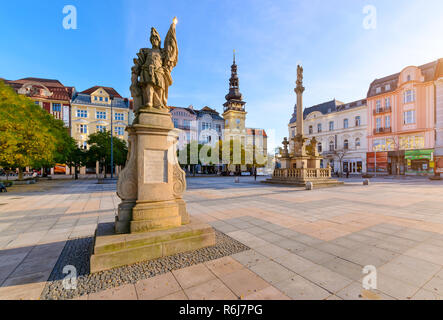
(185,119)
(49,94)
(401,114)
(91,112)
(439,117)
(340,129)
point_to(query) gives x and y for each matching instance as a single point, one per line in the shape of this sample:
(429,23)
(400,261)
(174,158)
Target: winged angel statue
(151,73)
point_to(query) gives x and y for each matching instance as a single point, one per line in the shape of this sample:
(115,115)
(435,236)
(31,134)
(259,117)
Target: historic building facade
(185,119)
(254,141)
(439,118)
(91,112)
(49,94)
(401,113)
(340,130)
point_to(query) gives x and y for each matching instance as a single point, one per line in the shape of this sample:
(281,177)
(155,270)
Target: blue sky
(340,57)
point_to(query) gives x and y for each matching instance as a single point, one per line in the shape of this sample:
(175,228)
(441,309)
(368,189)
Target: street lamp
(112,146)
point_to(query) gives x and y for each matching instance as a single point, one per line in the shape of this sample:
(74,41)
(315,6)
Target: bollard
(309,185)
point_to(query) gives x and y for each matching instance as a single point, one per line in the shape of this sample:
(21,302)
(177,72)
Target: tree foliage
(100,149)
(30,136)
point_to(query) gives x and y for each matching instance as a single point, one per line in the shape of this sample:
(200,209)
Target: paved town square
(290,243)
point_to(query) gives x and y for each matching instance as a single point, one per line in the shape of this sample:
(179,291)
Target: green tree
(76,157)
(100,149)
(30,136)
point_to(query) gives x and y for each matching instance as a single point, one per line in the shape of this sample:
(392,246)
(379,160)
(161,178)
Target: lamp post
(112,146)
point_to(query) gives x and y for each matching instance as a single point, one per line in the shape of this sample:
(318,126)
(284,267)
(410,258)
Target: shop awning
(419,154)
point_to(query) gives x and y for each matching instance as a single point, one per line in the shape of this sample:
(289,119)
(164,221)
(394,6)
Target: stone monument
(152,220)
(303,165)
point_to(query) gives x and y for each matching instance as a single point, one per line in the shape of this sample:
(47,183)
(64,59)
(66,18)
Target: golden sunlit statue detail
(151,73)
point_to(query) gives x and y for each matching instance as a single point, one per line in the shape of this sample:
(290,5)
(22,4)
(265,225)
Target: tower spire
(234,95)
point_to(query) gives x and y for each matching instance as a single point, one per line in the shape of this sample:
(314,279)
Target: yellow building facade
(91,113)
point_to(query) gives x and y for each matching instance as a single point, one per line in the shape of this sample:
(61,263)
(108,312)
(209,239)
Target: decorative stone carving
(179,182)
(151,73)
(127,180)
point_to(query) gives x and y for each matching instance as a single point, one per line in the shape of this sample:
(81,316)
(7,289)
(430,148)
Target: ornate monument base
(113,250)
(299,177)
(152,220)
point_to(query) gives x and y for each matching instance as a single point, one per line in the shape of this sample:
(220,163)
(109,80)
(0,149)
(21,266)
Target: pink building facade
(401,122)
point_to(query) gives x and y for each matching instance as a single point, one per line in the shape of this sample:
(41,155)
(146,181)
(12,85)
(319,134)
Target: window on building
(82,113)
(101,98)
(101,128)
(387,87)
(218,127)
(357,143)
(346,124)
(409,96)
(319,146)
(387,121)
(106,99)
(85,145)
(331,126)
(346,144)
(187,124)
(82,128)
(37,102)
(206,126)
(357,121)
(409,117)
(408,78)
(319,128)
(378,105)
(378,123)
(311,130)
(175,123)
(120,131)
(388,102)
(293,133)
(331,146)
(56,107)
(378,90)
(119,116)
(101,114)
(95,98)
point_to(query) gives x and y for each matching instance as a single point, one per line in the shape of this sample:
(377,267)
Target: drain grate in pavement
(77,253)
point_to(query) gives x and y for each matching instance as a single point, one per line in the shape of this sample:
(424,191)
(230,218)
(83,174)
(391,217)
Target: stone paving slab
(305,244)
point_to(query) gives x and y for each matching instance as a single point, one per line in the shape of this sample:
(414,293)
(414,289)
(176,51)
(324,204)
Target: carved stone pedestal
(152,219)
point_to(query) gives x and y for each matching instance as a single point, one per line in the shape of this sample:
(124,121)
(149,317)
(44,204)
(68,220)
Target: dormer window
(409,78)
(387,87)
(378,90)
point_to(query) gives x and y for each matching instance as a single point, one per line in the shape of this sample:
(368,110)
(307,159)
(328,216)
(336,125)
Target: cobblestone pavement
(304,244)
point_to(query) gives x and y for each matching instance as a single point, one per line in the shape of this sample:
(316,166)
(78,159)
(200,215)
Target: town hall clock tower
(234,109)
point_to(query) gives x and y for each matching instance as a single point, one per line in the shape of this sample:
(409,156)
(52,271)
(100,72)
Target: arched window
(346,144)
(319,127)
(319,146)
(346,124)
(311,130)
(357,143)
(357,121)
(331,146)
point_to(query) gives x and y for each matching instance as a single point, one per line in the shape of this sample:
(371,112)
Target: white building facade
(341,132)
(439,118)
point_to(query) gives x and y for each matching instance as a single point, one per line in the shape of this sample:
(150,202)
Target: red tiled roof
(256,132)
(428,71)
(58,90)
(109,90)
